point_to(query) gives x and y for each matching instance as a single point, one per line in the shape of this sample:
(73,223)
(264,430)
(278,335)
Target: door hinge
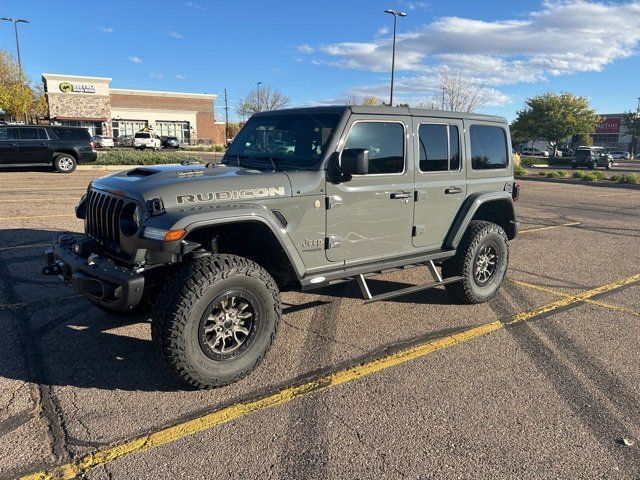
(334,201)
(333,241)
(418,230)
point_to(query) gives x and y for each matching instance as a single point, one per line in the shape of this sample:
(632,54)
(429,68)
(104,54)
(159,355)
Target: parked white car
(100,141)
(620,155)
(536,152)
(144,140)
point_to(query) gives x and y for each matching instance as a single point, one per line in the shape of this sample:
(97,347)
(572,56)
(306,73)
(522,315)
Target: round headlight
(137,217)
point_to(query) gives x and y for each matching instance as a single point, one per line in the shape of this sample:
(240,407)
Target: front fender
(200,217)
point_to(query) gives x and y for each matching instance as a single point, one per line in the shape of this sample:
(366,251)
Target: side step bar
(368,297)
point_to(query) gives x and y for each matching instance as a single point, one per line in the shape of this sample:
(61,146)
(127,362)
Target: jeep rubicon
(301,199)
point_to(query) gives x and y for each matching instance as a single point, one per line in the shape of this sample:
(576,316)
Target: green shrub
(144,157)
(631,178)
(518,171)
(590,177)
(553,175)
(562,173)
(600,175)
(616,178)
(528,161)
(578,174)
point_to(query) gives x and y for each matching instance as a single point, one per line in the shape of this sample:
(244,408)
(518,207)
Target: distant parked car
(620,155)
(169,142)
(124,141)
(61,147)
(592,157)
(535,152)
(100,141)
(144,140)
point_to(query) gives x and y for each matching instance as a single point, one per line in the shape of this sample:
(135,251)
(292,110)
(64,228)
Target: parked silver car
(620,155)
(100,141)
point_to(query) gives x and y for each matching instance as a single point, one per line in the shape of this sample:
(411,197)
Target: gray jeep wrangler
(302,198)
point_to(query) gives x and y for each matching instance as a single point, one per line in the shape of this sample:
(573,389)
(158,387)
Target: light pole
(393,53)
(15,22)
(258,95)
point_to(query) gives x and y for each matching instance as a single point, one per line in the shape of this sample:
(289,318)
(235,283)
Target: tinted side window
(30,133)
(8,134)
(488,147)
(72,133)
(454,147)
(385,142)
(434,148)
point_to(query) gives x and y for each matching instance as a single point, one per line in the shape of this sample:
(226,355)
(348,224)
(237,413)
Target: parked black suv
(61,147)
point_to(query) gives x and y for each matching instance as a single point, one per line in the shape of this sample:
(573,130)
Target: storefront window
(94,128)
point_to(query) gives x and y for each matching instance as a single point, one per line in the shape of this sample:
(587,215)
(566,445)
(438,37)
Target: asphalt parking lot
(542,382)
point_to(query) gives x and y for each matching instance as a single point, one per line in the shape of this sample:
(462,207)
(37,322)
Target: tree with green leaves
(555,117)
(631,123)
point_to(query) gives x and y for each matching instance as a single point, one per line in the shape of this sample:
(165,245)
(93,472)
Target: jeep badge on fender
(301,199)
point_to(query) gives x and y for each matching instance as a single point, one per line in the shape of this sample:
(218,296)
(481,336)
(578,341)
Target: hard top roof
(385,110)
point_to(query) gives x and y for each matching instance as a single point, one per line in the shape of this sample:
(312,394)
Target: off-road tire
(182,303)
(65,163)
(478,234)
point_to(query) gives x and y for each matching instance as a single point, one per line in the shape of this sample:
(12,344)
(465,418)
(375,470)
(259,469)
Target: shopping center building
(611,134)
(90,102)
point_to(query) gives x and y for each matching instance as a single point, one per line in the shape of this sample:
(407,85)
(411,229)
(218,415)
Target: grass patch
(205,148)
(144,157)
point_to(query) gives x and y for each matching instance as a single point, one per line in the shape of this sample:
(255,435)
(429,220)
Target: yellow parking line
(36,217)
(598,303)
(241,409)
(537,229)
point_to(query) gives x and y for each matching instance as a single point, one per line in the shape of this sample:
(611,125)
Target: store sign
(609,125)
(68,87)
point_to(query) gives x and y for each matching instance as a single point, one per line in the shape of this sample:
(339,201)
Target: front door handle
(400,195)
(452,190)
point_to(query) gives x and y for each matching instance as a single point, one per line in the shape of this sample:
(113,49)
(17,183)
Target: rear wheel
(481,261)
(65,163)
(215,319)
(609,165)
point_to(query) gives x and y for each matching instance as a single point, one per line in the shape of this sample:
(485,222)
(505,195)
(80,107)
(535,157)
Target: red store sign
(609,125)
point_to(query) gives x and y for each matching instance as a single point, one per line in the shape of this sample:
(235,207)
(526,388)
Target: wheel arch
(254,238)
(68,151)
(495,207)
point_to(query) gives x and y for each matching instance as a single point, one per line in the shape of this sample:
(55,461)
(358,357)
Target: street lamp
(393,54)
(15,22)
(258,95)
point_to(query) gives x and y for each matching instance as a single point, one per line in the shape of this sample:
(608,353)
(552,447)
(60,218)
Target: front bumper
(98,278)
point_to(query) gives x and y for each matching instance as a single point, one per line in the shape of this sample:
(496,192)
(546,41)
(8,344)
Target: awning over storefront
(81,119)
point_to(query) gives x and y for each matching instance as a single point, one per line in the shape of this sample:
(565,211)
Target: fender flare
(244,215)
(469,209)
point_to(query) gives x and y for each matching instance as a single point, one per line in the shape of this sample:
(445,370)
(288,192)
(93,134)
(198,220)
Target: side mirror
(354,161)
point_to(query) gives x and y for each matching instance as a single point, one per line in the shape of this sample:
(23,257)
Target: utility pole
(259,107)
(393,51)
(226,118)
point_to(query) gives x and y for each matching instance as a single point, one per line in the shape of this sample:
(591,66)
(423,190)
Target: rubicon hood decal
(246,193)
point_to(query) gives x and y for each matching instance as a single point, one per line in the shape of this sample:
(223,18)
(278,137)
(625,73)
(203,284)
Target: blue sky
(326,52)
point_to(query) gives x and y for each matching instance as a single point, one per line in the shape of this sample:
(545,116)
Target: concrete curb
(628,186)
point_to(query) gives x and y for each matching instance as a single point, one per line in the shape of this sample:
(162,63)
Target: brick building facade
(91,103)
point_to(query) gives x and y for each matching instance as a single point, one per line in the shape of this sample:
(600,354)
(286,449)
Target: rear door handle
(400,195)
(452,190)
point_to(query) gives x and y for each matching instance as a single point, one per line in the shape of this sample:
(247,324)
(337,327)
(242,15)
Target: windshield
(281,141)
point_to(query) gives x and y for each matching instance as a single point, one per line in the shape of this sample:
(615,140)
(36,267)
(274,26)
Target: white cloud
(156,75)
(306,49)
(176,35)
(106,29)
(414,5)
(561,38)
(194,5)
(382,31)
(135,59)
(180,77)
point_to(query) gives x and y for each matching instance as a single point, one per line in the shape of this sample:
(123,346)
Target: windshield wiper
(257,157)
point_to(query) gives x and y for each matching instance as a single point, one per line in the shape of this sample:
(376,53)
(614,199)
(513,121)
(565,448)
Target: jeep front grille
(102,220)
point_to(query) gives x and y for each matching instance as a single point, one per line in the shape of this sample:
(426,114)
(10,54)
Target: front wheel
(215,319)
(609,165)
(481,261)
(65,163)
